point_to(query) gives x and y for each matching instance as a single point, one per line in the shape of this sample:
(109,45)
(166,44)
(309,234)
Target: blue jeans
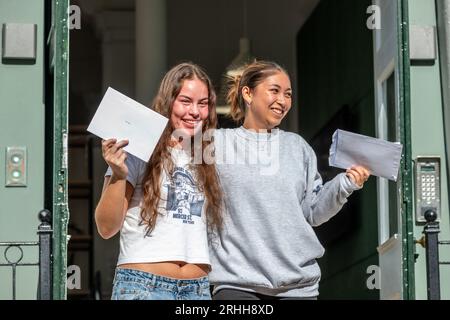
(132,284)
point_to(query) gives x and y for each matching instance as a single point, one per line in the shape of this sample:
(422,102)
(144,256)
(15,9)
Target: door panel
(57,102)
(392,108)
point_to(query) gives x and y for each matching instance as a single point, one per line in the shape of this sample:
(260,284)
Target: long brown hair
(207,178)
(251,75)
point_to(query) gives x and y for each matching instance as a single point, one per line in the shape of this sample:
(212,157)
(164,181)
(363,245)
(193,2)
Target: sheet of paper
(120,117)
(381,157)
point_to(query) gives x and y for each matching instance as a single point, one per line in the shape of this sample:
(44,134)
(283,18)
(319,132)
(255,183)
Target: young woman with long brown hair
(165,209)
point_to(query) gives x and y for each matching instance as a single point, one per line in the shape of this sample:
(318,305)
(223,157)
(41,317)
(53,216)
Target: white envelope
(381,157)
(120,117)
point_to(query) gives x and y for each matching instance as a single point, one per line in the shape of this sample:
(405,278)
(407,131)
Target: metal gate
(44,285)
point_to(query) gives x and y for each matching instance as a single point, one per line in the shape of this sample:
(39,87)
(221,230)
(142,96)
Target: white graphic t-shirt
(180,233)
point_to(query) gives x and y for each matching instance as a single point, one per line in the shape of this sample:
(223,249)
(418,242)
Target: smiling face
(191,107)
(268,103)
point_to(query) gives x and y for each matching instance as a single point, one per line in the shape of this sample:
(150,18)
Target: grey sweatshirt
(273,195)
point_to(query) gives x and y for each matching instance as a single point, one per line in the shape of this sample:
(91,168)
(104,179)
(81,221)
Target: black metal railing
(44,288)
(431,243)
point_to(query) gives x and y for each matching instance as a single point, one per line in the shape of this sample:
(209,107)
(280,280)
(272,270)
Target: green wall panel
(427,133)
(22,124)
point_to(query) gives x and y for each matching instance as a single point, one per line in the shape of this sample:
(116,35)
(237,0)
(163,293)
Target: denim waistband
(147,278)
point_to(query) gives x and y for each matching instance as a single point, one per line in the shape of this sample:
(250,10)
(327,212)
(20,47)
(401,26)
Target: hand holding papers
(381,157)
(120,117)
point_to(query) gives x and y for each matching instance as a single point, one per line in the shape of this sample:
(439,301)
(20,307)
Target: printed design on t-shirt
(184,200)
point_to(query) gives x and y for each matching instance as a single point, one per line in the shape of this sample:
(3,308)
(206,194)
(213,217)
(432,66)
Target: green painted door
(56,188)
(392,107)
(33,120)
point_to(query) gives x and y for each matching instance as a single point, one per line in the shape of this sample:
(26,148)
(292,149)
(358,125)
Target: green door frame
(407,163)
(58,51)
(391,60)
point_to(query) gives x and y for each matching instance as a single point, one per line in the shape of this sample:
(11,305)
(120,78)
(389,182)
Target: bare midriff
(171,269)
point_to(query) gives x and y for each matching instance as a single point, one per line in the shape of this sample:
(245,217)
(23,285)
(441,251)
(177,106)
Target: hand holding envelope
(380,157)
(122,118)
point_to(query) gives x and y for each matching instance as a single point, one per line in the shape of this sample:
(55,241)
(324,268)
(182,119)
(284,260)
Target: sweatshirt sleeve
(321,202)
